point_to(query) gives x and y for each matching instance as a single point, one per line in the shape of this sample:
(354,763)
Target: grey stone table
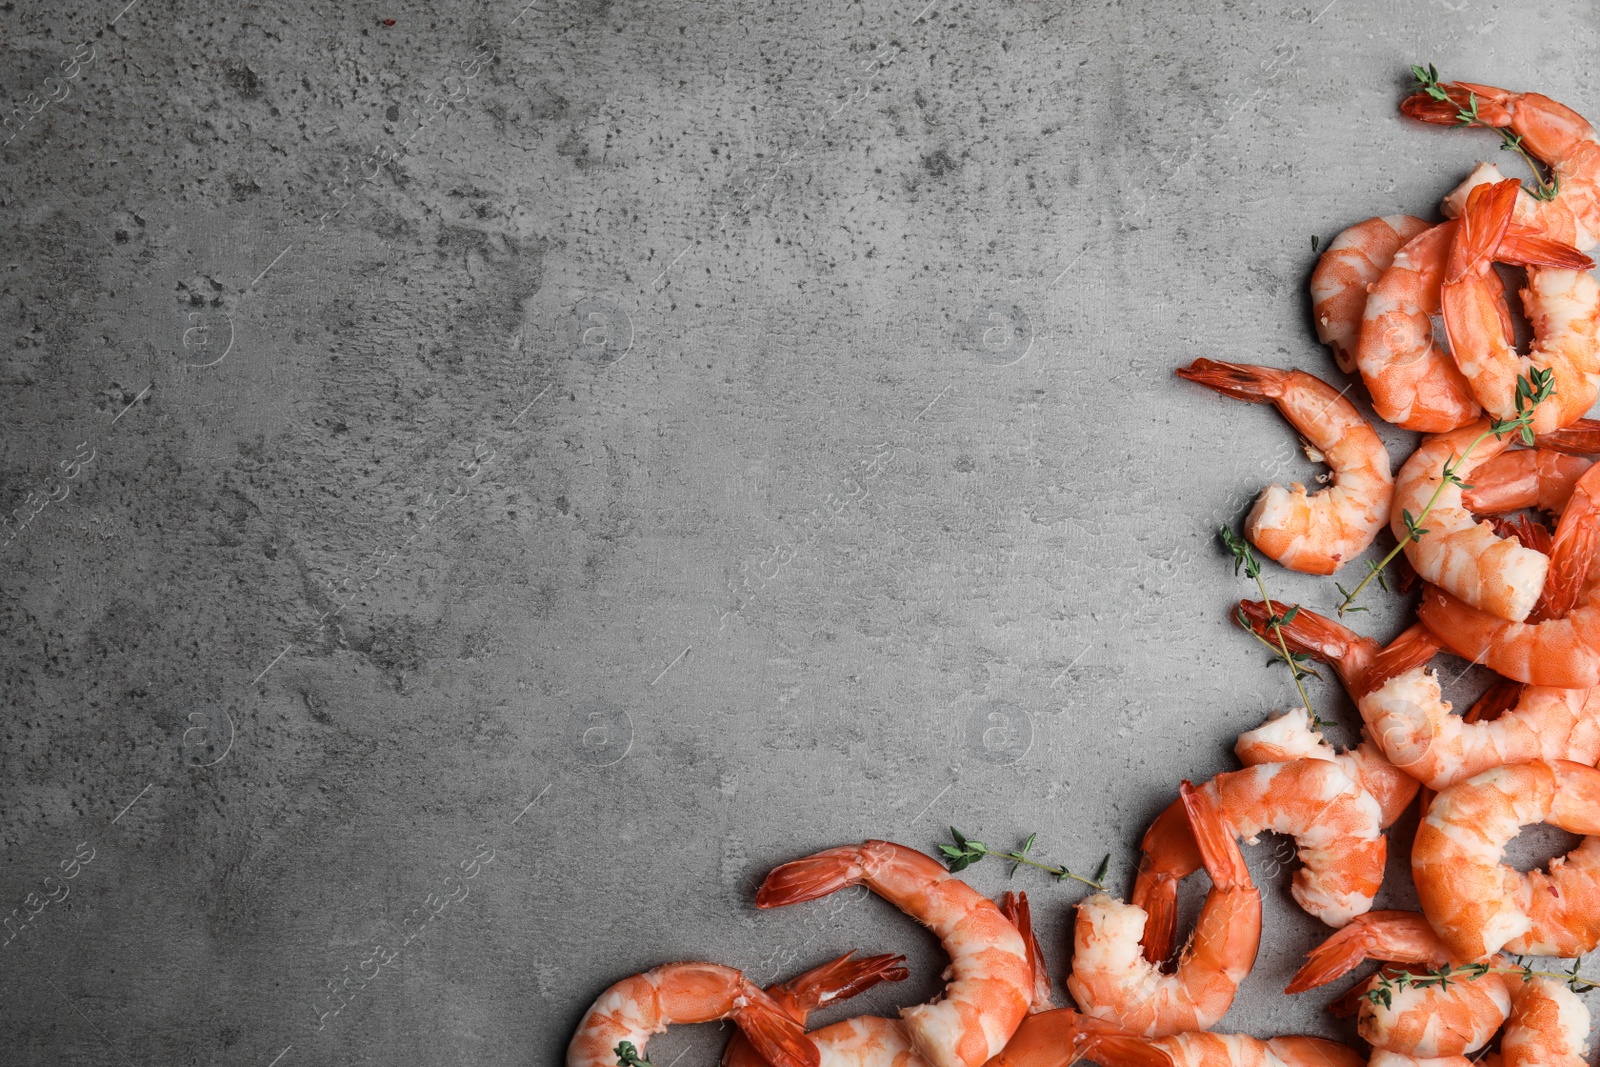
(541,466)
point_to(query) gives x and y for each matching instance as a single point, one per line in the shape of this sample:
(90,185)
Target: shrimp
(1353,261)
(1527,478)
(1414,726)
(1559,643)
(645,1004)
(991,981)
(1457,552)
(1413,383)
(1110,979)
(835,980)
(1290,735)
(1061,1036)
(1478,905)
(1319,532)
(1335,824)
(1556,134)
(1424,1021)
(1549,1027)
(1563,305)
(1200,1049)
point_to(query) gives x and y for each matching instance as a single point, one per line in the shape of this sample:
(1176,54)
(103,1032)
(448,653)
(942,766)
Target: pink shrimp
(1527,478)
(1111,980)
(1291,735)
(990,980)
(836,980)
(1355,260)
(1312,533)
(645,1004)
(1200,1049)
(1417,1020)
(1549,1027)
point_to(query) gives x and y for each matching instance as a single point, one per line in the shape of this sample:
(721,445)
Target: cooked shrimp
(1527,478)
(645,1004)
(1354,260)
(1111,980)
(1199,1049)
(1413,724)
(1290,735)
(1549,1027)
(835,980)
(991,982)
(1477,904)
(1061,1037)
(1458,553)
(1319,532)
(1420,1020)
(1563,305)
(1414,384)
(1334,822)
(1559,643)
(1556,134)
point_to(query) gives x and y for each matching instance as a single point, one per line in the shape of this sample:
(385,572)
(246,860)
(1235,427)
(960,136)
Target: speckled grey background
(642,443)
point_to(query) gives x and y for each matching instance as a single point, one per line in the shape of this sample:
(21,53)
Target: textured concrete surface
(607,449)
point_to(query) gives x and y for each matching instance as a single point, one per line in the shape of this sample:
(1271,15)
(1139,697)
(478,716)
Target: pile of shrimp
(1504,431)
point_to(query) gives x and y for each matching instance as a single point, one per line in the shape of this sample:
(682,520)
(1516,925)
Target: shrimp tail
(1525,247)
(810,878)
(1581,438)
(1482,229)
(1014,906)
(1259,385)
(1169,853)
(1123,1050)
(780,1040)
(1307,632)
(1402,936)
(1459,96)
(1219,847)
(843,978)
(1498,699)
(1413,648)
(1528,533)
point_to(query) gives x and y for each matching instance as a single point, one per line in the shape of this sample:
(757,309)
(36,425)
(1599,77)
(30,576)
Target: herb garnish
(966,851)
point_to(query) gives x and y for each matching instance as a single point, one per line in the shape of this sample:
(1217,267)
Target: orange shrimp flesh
(1200,1049)
(1549,1027)
(645,1004)
(1353,261)
(990,980)
(836,980)
(1425,1021)
(1110,978)
(1290,735)
(1478,905)
(1527,478)
(1312,533)
(1061,1037)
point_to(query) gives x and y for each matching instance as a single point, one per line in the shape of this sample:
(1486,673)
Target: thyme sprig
(1428,82)
(966,852)
(1389,984)
(628,1056)
(1244,558)
(1533,389)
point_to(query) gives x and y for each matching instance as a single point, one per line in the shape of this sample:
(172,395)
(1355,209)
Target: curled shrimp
(1457,552)
(1559,643)
(1549,1027)
(1414,726)
(1312,533)
(1334,823)
(645,1004)
(1111,980)
(1413,383)
(1291,735)
(1474,901)
(1552,132)
(990,980)
(1353,261)
(836,980)
(1562,303)
(1425,1021)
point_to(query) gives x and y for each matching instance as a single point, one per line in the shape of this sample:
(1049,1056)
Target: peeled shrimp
(1425,1021)
(990,980)
(1111,980)
(1319,532)
(1527,478)
(1552,132)
(835,980)
(1562,303)
(1334,822)
(1353,261)
(1549,1027)
(1199,1049)
(1458,553)
(645,1004)
(1478,905)
(1413,383)
(1559,644)
(1290,735)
